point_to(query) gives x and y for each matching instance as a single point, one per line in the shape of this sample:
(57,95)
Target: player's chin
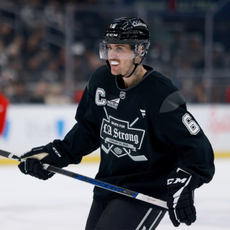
(114,72)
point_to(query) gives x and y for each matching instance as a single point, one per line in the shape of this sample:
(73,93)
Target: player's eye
(119,49)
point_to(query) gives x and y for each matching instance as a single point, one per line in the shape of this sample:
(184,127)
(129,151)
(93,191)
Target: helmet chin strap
(135,67)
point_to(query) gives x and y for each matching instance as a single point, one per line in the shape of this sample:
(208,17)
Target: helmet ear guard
(142,49)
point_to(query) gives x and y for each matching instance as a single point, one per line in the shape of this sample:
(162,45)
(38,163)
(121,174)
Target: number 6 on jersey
(190,124)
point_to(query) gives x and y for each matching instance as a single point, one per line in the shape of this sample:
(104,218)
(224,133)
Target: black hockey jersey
(144,133)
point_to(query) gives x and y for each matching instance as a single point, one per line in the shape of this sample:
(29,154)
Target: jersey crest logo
(121,139)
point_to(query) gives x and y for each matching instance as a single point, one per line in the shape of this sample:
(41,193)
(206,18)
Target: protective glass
(118,51)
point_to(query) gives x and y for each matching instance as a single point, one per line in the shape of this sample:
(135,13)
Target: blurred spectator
(218,56)
(14,49)
(61,59)
(54,13)
(44,56)
(30,14)
(16,65)
(56,95)
(80,69)
(32,47)
(33,68)
(8,77)
(20,93)
(39,93)
(6,33)
(227,94)
(195,51)
(216,95)
(3,56)
(199,93)
(51,73)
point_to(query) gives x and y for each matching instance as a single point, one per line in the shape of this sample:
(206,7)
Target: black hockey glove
(181,185)
(31,161)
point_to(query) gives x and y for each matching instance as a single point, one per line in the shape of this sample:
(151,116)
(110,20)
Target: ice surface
(62,203)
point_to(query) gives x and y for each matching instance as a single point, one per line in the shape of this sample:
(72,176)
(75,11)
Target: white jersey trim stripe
(154,222)
(143,220)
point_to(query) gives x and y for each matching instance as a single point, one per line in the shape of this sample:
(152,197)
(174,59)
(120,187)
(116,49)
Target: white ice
(62,203)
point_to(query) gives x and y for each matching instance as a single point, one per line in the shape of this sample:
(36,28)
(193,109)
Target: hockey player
(149,141)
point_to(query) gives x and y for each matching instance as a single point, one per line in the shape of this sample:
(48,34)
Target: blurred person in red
(3,107)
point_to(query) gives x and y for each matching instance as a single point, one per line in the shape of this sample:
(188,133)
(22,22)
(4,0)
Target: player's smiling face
(120,59)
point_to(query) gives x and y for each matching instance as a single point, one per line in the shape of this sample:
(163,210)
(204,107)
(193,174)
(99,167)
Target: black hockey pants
(121,214)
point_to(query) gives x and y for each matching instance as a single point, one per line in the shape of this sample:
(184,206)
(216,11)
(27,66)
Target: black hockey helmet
(132,31)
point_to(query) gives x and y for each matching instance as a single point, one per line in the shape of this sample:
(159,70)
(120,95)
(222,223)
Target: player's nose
(112,54)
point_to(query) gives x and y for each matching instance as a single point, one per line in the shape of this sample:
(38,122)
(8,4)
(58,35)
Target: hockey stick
(98,183)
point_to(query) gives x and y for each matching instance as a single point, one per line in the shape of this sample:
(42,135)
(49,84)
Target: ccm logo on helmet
(112,35)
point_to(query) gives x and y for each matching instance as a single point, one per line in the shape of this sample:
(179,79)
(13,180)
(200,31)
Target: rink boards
(28,126)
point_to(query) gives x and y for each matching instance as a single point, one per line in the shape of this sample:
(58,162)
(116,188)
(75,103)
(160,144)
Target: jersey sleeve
(179,130)
(84,137)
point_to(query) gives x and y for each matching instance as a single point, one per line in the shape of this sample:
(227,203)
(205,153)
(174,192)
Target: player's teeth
(114,63)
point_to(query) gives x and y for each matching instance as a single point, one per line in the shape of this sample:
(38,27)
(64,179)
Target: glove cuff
(182,177)
(57,158)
